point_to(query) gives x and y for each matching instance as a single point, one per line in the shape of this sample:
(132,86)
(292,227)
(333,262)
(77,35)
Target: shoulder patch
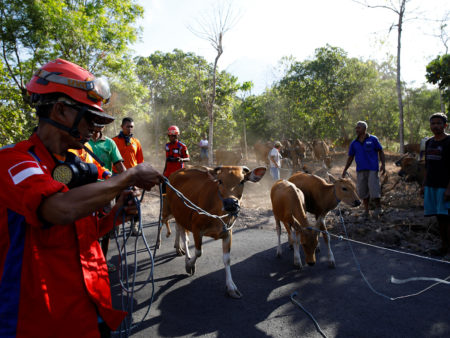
(23,170)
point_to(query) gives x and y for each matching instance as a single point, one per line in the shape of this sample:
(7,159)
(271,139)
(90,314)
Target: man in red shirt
(53,276)
(176,152)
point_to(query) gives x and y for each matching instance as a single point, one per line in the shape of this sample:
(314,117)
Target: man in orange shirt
(129,146)
(131,151)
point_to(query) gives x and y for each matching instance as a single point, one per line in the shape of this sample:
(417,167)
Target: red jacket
(54,280)
(175,150)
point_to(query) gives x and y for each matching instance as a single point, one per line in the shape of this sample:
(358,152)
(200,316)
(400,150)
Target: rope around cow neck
(200,211)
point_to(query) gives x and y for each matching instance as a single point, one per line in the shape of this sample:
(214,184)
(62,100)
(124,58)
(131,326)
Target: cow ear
(214,172)
(245,169)
(256,174)
(331,178)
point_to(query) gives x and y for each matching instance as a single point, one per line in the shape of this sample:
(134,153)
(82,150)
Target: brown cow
(411,169)
(412,148)
(300,149)
(321,152)
(262,152)
(288,204)
(321,197)
(217,191)
(228,157)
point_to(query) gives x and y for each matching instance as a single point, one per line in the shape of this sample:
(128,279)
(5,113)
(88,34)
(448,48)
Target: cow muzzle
(356,203)
(231,205)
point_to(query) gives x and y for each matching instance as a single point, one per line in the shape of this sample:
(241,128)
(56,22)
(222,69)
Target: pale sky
(270,29)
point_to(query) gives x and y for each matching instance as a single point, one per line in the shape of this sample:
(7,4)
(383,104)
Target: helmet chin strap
(73,131)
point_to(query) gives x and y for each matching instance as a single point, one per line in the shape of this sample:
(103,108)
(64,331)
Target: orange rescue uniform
(131,153)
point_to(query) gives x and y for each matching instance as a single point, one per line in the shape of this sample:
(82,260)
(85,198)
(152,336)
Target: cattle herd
(206,201)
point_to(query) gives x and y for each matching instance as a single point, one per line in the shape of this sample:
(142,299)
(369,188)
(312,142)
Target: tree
(212,28)
(94,34)
(399,9)
(438,72)
(176,82)
(324,87)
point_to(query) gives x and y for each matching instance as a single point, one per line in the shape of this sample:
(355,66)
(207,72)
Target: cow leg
(190,262)
(327,240)
(232,289)
(159,241)
(278,226)
(296,241)
(178,247)
(169,231)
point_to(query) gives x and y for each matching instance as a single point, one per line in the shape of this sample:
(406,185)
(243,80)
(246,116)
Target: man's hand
(344,173)
(145,176)
(126,199)
(383,169)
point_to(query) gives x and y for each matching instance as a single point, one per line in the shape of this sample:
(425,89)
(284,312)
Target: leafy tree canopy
(438,72)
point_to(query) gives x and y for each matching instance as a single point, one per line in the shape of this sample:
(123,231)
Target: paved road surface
(339,299)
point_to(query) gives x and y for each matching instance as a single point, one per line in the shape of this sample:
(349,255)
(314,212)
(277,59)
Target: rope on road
(364,277)
(316,324)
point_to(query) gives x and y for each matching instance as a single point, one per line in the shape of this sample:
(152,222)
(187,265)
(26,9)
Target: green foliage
(438,72)
(319,91)
(92,33)
(420,103)
(178,84)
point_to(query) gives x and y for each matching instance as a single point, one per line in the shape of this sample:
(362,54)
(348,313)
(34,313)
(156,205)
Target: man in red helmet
(53,276)
(176,152)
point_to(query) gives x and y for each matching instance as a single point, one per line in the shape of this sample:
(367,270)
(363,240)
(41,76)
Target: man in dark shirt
(437,178)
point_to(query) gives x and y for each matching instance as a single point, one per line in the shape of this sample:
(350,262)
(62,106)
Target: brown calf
(288,204)
(321,152)
(227,157)
(411,169)
(321,197)
(262,152)
(413,148)
(217,191)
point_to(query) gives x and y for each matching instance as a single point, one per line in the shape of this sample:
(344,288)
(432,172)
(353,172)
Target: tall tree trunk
(399,84)
(212,101)
(245,141)
(441,101)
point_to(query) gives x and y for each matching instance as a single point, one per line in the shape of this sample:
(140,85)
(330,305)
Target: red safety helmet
(61,76)
(173,130)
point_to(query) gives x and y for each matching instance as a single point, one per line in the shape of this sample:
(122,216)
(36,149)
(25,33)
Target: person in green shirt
(106,149)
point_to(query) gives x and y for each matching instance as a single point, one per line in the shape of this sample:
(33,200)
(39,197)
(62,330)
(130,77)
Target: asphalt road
(339,299)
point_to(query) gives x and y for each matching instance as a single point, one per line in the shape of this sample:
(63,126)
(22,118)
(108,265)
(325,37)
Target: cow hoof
(158,245)
(278,255)
(190,269)
(298,266)
(234,294)
(168,234)
(332,264)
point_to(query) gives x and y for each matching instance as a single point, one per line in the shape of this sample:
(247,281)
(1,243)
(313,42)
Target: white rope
(413,279)
(366,280)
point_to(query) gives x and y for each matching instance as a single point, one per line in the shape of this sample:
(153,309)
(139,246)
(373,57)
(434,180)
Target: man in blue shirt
(366,149)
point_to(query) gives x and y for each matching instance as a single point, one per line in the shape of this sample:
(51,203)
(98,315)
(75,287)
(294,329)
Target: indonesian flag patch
(23,170)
